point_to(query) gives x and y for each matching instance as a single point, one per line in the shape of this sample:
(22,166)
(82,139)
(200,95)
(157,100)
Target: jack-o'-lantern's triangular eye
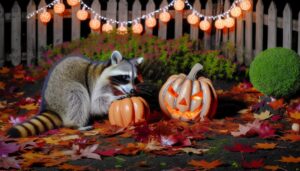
(198,96)
(183,102)
(172,91)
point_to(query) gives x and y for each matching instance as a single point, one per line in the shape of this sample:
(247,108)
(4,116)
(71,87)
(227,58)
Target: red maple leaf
(237,147)
(253,164)
(266,131)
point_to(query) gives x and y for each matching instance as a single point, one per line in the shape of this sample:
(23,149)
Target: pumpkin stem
(196,68)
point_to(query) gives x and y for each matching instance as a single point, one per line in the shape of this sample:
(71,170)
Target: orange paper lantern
(107,28)
(59,8)
(245,5)
(95,24)
(82,14)
(204,25)
(122,30)
(179,5)
(151,22)
(73,2)
(229,22)
(165,17)
(236,11)
(45,17)
(193,19)
(137,28)
(219,23)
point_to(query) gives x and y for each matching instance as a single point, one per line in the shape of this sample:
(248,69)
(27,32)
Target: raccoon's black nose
(132,91)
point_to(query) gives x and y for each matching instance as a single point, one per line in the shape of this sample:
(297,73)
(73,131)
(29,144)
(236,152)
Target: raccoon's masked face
(124,75)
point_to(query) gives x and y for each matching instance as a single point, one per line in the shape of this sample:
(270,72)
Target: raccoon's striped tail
(38,124)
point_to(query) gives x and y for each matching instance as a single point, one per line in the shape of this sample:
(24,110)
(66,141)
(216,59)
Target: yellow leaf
(243,111)
(291,137)
(31,106)
(265,146)
(271,167)
(290,159)
(263,115)
(4,70)
(52,140)
(204,164)
(295,115)
(194,150)
(2,85)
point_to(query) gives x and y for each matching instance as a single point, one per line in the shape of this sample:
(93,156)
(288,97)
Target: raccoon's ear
(137,61)
(116,57)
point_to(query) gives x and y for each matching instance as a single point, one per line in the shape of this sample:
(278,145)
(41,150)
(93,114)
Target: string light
(193,19)
(229,22)
(59,8)
(137,28)
(45,16)
(164,16)
(122,30)
(235,11)
(219,23)
(82,14)
(95,24)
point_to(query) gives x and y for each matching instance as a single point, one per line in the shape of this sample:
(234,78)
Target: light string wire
(136,20)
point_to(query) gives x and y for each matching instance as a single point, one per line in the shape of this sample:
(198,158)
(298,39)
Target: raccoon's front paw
(86,128)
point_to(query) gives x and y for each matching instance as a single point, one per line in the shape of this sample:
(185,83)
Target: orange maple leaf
(272,167)
(277,104)
(66,166)
(265,146)
(289,159)
(291,137)
(4,70)
(295,115)
(2,85)
(204,164)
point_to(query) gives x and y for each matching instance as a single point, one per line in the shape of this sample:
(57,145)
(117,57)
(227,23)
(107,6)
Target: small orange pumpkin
(187,98)
(128,111)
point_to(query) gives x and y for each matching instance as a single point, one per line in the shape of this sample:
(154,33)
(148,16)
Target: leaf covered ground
(249,132)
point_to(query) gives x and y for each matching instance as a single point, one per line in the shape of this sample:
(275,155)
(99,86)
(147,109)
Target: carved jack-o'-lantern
(187,98)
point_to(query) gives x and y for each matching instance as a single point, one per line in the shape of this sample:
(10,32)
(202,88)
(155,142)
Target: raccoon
(77,88)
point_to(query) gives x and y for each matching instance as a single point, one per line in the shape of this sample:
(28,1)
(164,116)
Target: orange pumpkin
(128,111)
(187,98)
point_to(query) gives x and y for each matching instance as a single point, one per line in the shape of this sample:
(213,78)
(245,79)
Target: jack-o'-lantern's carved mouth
(187,115)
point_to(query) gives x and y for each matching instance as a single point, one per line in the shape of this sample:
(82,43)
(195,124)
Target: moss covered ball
(276,72)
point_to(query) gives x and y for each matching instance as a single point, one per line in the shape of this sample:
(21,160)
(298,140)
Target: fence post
(31,34)
(97,7)
(75,23)
(287,26)
(57,29)
(299,33)
(249,33)
(207,37)
(16,34)
(272,25)
(112,12)
(178,24)
(259,27)
(149,8)
(218,34)
(136,10)
(42,34)
(162,27)
(195,28)
(240,40)
(225,30)
(123,12)
(2,21)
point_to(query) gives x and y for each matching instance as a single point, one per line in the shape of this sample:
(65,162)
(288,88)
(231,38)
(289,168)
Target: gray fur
(77,88)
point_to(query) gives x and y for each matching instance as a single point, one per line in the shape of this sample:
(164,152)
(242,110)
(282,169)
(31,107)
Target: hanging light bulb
(165,16)
(193,19)
(245,5)
(82,14)
(95,24)
(179,5)
(236,11)
(204,25)
(59,8)
(229,22)
(73,2)
(107,27)
(122,29)
(137,28)
(150,22)
(219,23)
(45,16)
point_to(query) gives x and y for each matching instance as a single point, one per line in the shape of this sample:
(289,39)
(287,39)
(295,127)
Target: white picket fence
(241,36)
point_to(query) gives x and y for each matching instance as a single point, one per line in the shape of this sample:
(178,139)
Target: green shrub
(276,72)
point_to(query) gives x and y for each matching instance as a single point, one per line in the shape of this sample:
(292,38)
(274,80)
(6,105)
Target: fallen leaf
(263,115)
(6,149)
(243,130)
(108,153)
(265,146)
(31,106)
(194,150)
(2,85)
(237,147)
(289,159)
(271,167)
(204,164)
(253,164)
(4,70)
(266,131)
(153,145)
(77,152)
(9,162)
(291,137)
(277,104)
(66,166)
(295,115)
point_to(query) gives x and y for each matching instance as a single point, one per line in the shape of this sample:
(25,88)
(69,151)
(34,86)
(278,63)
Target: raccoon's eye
(125,77)
(120,79)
